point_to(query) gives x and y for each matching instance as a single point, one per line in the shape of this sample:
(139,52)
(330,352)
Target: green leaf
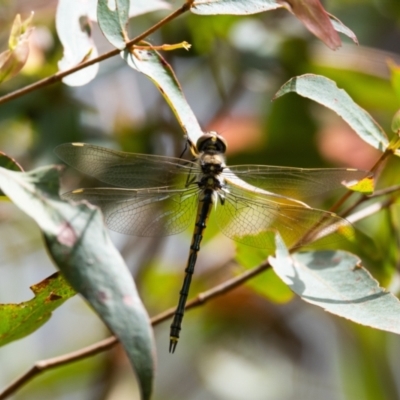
(75,34)
(150,63)
(396,122)
(365,185)
(20,320)
(336,282)
(8,163)
(112,22)
(324,91)
(80,246)
(266,284)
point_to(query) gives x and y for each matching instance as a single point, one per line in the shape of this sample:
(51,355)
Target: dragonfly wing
(127,170)
(298,183)
(255,220)
(143,212)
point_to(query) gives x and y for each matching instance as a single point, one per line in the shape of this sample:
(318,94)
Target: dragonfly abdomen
(203,211)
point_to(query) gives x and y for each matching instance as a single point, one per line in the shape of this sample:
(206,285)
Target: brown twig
(44,365)
(60,75)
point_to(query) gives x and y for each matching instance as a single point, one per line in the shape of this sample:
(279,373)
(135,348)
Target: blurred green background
(243,345)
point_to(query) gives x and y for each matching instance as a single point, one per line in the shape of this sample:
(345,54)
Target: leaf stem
(60,75)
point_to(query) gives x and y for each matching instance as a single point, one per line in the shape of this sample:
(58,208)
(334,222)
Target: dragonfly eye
(211,141)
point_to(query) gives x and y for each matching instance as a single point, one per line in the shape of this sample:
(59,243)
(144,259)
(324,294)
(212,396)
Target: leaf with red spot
(80,246)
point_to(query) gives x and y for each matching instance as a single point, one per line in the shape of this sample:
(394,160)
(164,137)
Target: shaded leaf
(20,320)
(266,284)
(336,281)
(80,246)
(324,91)
(316,20)
(112,22)
(74,31)
(8,163)
(13,59)
(151,64)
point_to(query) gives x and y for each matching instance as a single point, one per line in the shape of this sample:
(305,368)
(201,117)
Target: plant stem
(60,75)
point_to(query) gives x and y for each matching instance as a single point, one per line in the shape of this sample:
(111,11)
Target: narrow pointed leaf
(342,28)
(112,22)
(20,320)
(75,33)
(150,63)
(80,246)
(324,91)
(317,21)
(336,282)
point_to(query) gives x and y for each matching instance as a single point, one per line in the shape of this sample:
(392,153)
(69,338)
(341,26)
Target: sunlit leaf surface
(75,33)
(151,64)
(336,281)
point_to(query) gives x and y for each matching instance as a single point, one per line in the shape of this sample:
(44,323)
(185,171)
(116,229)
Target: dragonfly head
(211,142)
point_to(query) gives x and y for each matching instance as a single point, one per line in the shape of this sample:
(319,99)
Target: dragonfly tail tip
(172,344)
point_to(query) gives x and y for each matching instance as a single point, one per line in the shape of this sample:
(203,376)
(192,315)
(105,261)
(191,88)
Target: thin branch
(60,75)
(44,365)
(370,210)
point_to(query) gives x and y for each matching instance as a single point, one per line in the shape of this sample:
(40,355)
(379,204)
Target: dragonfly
(157,195)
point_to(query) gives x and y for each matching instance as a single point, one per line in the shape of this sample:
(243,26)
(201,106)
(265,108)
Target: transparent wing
(298,183)
(127,170)
(253,220)
(143,212)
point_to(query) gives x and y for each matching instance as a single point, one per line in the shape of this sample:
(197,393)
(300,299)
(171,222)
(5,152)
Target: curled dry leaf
(13,59)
